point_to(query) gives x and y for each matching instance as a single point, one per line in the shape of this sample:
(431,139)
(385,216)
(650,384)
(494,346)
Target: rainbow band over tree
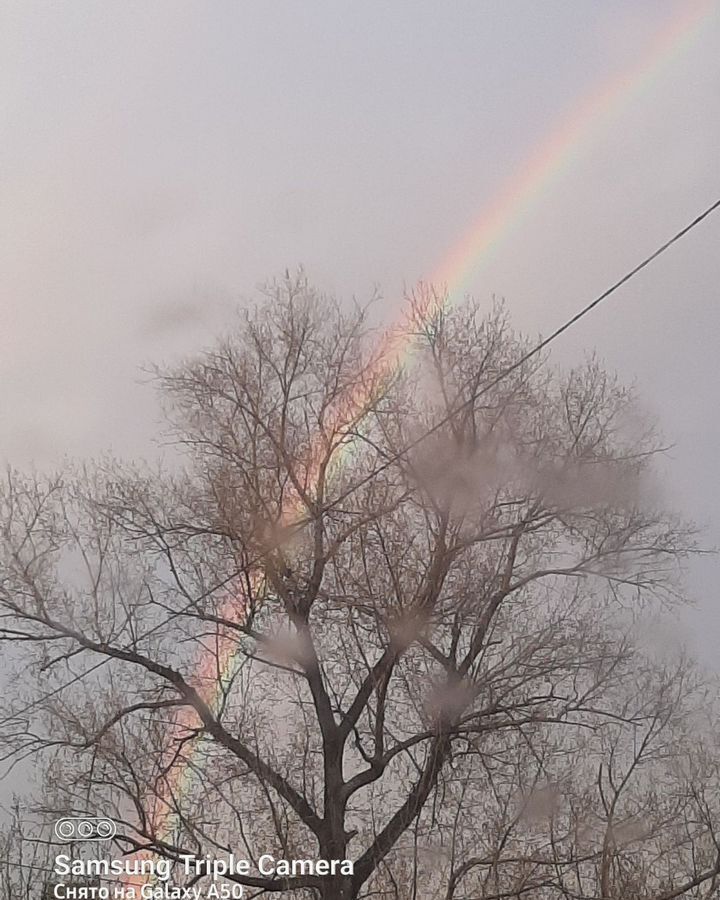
(466,259)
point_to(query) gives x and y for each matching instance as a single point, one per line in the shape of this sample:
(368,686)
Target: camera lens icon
(65,829)
(85,828)
(105,829)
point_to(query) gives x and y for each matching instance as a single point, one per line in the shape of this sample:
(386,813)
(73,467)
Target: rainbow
(523,192)
(551,159)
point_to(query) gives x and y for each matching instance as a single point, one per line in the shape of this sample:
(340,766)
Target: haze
(160,160)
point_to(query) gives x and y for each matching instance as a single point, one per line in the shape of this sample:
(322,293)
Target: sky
(160,160)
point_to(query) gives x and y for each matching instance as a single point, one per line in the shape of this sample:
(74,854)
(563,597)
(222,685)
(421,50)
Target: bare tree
(308,641)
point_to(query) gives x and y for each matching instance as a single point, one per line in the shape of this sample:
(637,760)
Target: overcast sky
(160,159)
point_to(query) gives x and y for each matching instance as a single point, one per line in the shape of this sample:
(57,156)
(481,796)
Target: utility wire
(395,457)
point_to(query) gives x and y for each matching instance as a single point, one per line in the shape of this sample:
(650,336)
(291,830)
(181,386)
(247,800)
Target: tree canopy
(391,614)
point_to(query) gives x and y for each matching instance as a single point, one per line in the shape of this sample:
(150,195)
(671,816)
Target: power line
(395,457)
(526,356)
